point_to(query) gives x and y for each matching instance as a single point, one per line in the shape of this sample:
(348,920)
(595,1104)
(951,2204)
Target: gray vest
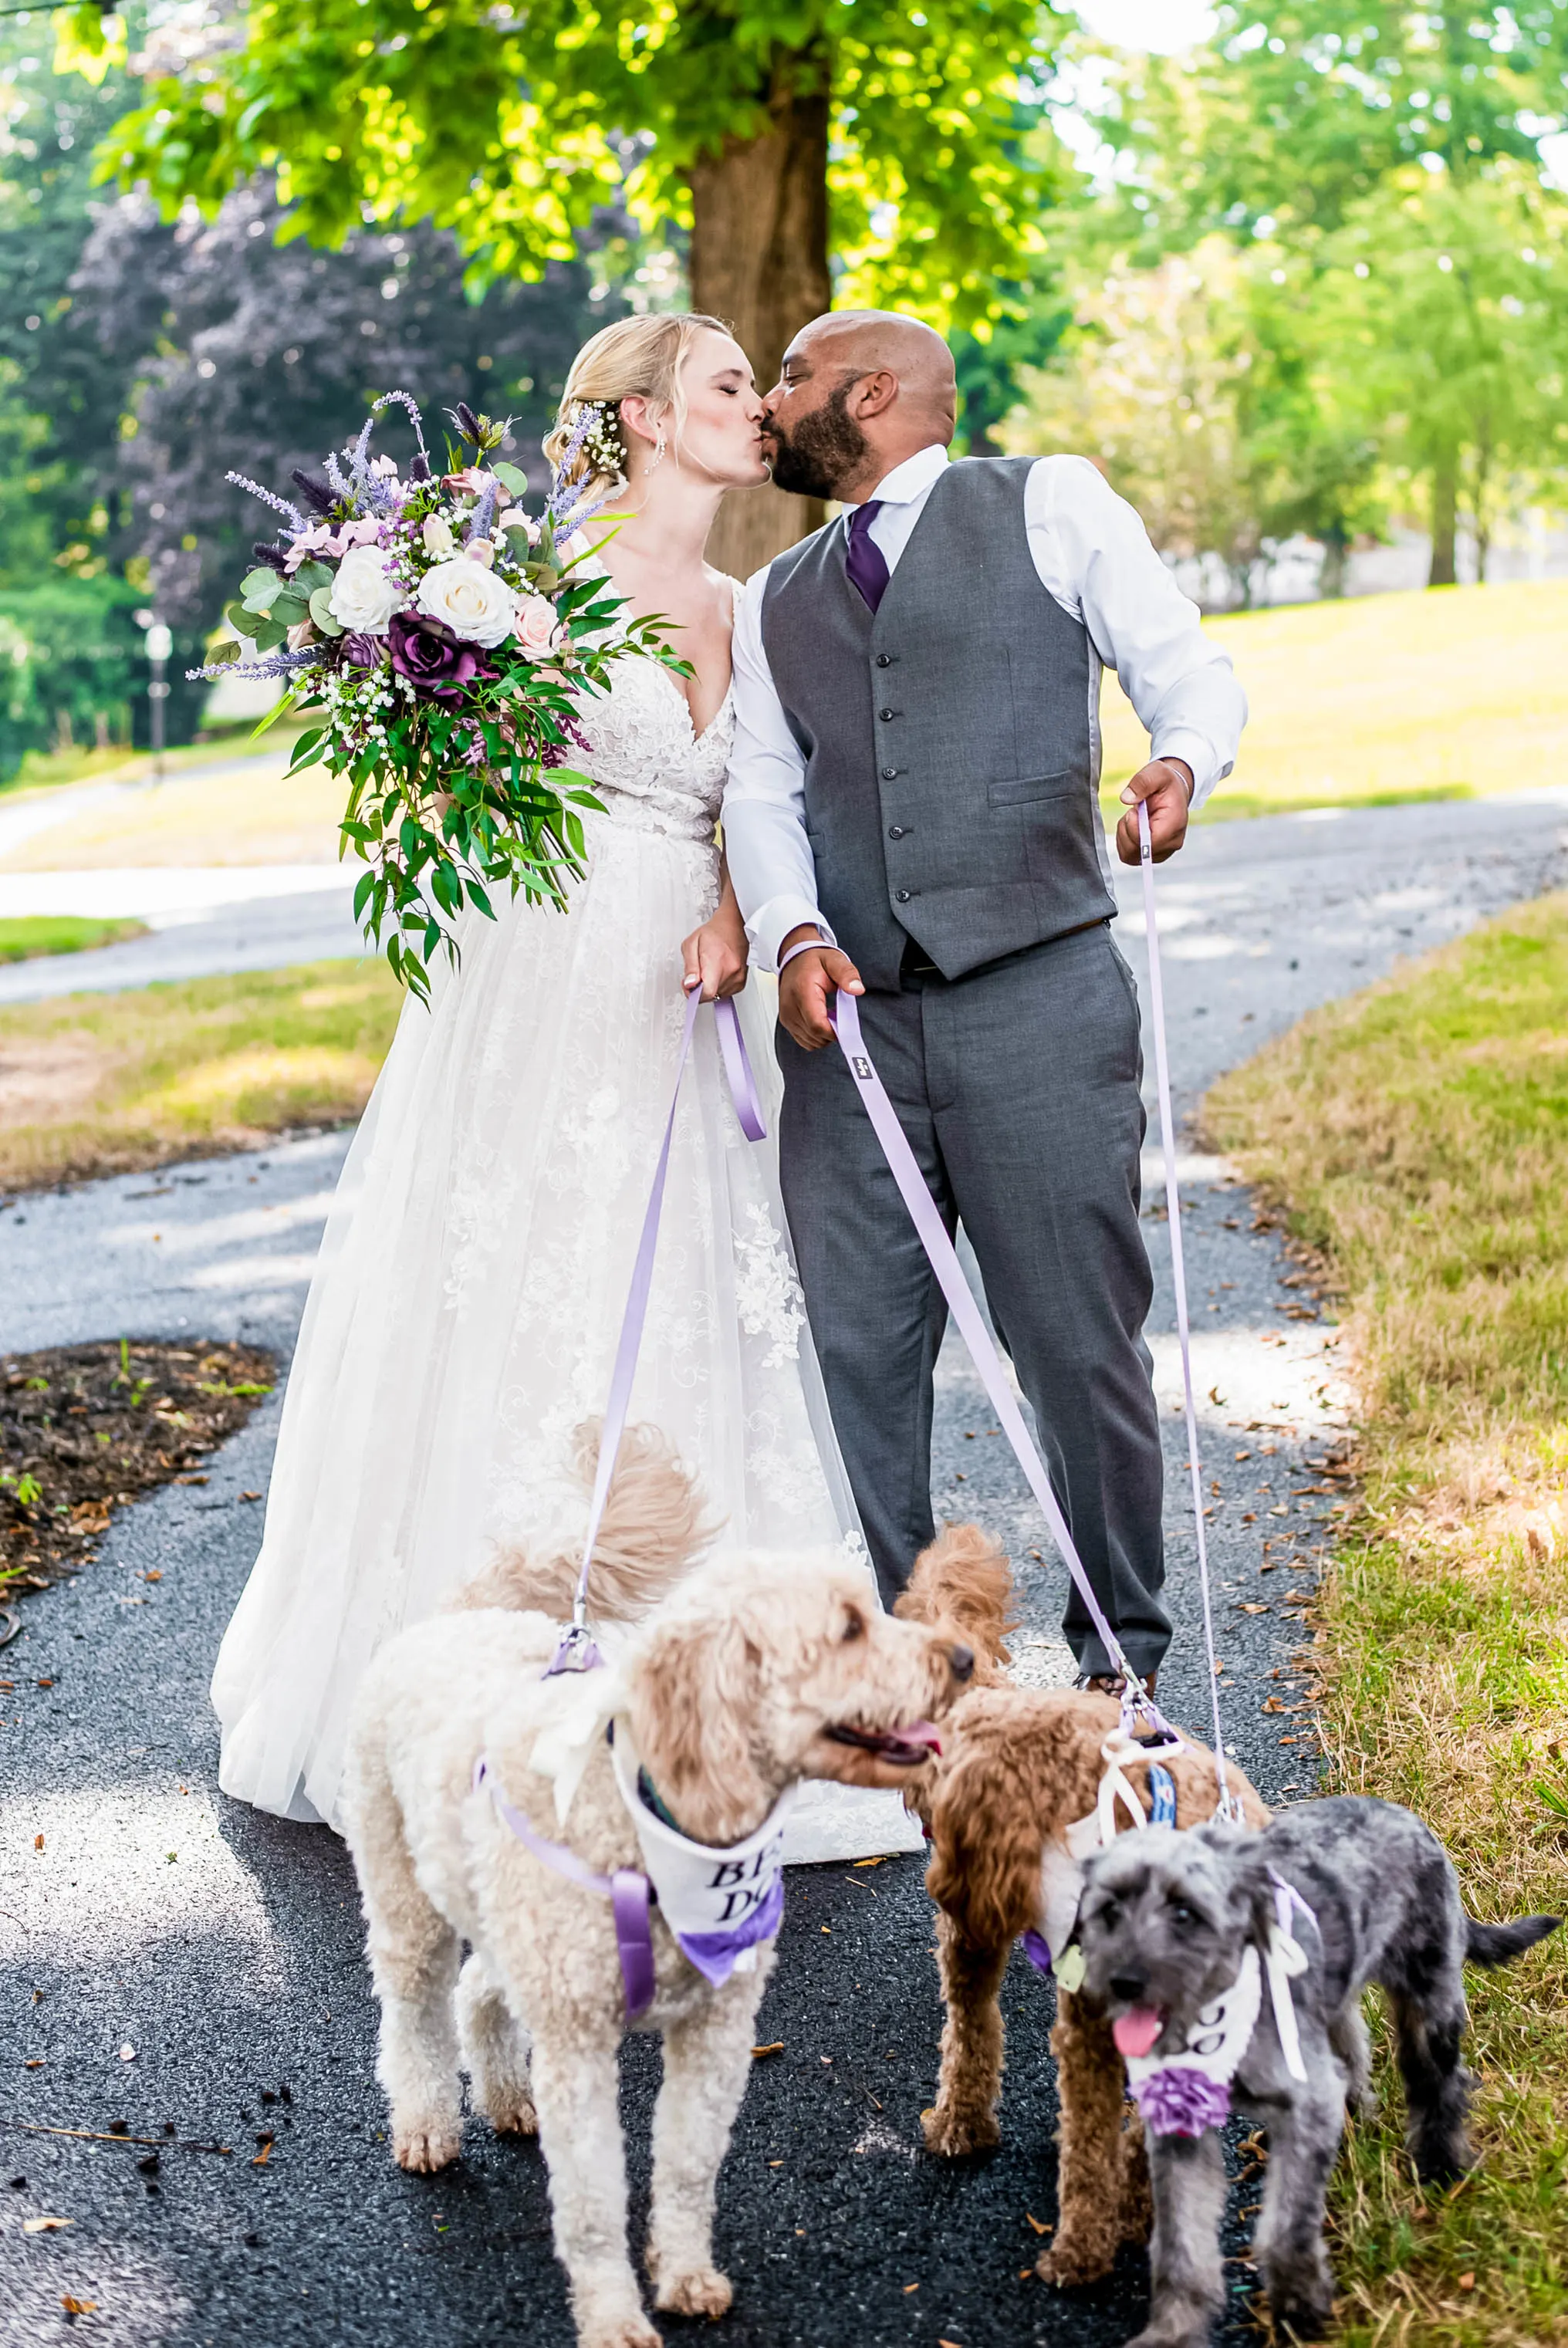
(949,740)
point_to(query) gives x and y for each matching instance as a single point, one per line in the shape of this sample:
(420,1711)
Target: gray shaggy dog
(1165,1923)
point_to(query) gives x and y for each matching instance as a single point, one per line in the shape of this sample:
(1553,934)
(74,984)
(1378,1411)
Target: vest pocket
(1039,786)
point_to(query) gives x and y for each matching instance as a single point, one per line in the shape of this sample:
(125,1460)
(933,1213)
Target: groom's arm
(770,859)
(1091,550)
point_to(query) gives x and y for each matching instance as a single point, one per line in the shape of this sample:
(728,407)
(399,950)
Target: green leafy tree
(1449,307)
(770,135)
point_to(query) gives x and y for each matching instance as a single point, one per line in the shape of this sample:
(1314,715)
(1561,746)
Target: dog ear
(695,1690)
(988,1828)
(964,1582)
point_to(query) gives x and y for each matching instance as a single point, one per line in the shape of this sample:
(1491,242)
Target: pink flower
(535,625)
(314,540)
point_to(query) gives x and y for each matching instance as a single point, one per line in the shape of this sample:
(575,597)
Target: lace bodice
(651,770)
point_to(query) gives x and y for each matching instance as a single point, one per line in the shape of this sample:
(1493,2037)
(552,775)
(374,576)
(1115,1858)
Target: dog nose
(1130,1987)
(961,1660)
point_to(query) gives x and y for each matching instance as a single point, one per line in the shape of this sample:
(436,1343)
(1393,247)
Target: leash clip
(576,1652)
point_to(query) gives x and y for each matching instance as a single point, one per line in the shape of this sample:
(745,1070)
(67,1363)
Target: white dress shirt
(1092,553)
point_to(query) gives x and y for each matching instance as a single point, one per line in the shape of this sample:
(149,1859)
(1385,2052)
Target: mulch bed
(87,1430)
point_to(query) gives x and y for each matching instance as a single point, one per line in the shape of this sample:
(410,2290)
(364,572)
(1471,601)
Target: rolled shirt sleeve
(1092,553)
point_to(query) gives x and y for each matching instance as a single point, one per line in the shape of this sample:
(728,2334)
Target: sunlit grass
(1430,694)
(1419,1134)
(99,1084)
(56,933)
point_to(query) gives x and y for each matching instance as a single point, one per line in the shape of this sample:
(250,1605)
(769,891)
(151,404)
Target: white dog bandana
(718,1904)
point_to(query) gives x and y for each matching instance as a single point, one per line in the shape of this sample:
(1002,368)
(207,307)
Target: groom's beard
(825,449)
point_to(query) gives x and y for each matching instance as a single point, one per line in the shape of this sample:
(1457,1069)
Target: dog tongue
(922,1733)
(1136,2033)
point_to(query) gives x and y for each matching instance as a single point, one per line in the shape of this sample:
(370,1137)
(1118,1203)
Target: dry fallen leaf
(34,2063)
(776,2048)
(77,2306)
(265,2153)
(45,2224)
(868,1862)
(37,1842)
(1250,1606)
(1467,2282)
(1036,2223)
(909,2287)
(250,1495)
(154,1574)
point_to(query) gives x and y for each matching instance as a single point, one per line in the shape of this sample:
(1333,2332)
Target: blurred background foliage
(1302,280)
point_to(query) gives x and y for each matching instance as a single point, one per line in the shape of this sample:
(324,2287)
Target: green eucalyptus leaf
(260,586)
(321,612)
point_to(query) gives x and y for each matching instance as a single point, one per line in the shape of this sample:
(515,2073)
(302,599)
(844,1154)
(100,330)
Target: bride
(464,1313)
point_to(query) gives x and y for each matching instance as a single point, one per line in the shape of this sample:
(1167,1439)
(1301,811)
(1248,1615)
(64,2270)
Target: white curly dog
(745,1677)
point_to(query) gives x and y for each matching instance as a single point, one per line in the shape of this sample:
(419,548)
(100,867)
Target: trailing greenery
(1419,1133)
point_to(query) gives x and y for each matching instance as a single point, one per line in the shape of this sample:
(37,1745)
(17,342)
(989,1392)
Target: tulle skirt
(464,1313)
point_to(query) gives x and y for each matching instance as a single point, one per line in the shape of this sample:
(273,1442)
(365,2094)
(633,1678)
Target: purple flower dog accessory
(447,639)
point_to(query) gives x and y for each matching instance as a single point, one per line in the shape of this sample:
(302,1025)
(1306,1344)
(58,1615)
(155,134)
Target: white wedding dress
(463,1316)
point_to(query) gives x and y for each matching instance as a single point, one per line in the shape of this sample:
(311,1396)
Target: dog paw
(632,2331)
(423,2150)
(704,2291)
(1068,2264)
(952,2134)
(512,2115)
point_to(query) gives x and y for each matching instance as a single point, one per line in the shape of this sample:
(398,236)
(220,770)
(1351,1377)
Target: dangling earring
(659,456)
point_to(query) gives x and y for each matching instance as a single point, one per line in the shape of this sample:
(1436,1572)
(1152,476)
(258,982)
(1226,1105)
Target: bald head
(859,391)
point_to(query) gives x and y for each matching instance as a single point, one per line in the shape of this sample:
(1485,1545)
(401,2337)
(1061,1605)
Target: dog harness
(1186,2093)
(720,1903)
(1061,1878)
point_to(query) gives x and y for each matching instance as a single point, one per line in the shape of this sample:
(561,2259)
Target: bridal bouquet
(447,635)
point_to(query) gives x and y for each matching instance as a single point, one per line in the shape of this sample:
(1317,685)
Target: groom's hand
(804,989)
(1167,786)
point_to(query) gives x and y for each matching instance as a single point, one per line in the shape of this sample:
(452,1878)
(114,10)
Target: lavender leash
(845,1018)
(1230,1805)
(626,1890)
(577,1650)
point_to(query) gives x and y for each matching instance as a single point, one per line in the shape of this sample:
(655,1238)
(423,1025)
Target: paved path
(222,1948)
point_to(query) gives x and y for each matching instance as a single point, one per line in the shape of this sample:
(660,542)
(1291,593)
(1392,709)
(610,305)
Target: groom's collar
(910,479)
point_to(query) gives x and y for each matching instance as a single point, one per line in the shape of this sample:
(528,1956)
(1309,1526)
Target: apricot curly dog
(1019,1765)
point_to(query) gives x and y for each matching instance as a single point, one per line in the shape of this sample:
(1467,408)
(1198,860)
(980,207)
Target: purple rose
(433,660)
(362,652)
(1178,2100)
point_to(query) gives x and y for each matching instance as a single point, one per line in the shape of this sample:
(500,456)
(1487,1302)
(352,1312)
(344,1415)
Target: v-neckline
(699,739)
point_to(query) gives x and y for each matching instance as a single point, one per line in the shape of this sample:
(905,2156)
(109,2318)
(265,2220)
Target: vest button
(884,659)
(896,830)
(886,715)
(890,774)
(902,896)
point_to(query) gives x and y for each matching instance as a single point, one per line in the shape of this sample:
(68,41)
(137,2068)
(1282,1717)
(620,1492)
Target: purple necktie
(865,565)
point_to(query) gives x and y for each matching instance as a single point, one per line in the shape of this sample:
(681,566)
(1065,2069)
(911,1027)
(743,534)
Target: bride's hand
(714,957)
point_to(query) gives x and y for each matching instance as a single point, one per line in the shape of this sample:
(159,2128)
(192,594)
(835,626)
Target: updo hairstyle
(632,356)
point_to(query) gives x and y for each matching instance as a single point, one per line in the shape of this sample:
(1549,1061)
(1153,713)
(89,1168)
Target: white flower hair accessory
(600,443)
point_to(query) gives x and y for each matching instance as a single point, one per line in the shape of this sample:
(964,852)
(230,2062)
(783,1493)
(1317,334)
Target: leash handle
(844,1016)
(577,1650)
(1230,1807)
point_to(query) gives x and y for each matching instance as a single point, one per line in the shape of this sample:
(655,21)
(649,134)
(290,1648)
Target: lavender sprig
(334,474)
(278,505)
(559,499)
(483,516)
(403,399)
(275,665)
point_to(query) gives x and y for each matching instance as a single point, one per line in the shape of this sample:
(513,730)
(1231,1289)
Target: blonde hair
(632,357)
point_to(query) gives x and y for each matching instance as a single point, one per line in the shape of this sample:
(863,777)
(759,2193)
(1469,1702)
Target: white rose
(363,598)
(536,625)
(437,533)
(473,602)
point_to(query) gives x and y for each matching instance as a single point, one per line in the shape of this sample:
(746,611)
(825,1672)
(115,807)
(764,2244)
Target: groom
(913,798)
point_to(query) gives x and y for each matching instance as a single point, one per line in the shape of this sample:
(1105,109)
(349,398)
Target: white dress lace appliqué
(465,1309)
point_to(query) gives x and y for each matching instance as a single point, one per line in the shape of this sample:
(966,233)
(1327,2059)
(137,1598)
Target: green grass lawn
(24,939)
(104,1084)
(1441,693)
(1419,1133)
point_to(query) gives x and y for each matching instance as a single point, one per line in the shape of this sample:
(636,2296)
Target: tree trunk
(760,261)
(1336,550)
(1445,519)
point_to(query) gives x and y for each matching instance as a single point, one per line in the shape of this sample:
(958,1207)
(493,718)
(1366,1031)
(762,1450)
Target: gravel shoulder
(222,1948)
